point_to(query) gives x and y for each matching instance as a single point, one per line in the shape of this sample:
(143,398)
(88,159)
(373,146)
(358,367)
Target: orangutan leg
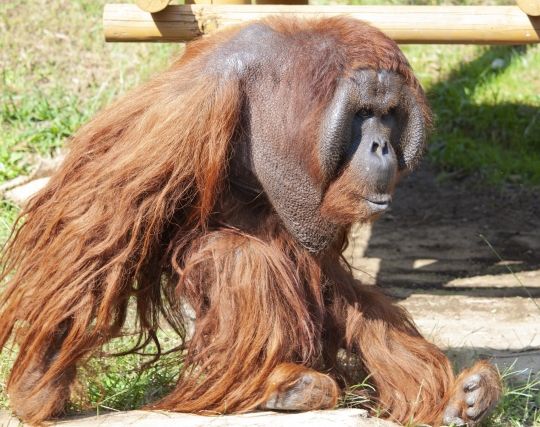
(48,400)
(254,316)
(294,387)
(412,377)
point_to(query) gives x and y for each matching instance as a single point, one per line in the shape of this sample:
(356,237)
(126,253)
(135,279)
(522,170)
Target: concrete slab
(334,418)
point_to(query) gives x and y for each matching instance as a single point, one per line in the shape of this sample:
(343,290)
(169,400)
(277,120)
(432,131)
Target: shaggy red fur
(142,209)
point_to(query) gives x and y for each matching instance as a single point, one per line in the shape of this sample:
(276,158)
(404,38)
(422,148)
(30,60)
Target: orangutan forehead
(378,89)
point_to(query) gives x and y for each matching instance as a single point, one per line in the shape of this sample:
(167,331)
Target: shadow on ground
(431,240)
(428,254)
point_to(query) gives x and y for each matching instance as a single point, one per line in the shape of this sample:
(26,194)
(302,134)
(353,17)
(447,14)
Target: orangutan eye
(365,113)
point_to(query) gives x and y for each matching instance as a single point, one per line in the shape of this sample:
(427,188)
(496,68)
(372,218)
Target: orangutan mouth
(379,202)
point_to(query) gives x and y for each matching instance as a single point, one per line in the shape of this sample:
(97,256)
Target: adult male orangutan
(228,184)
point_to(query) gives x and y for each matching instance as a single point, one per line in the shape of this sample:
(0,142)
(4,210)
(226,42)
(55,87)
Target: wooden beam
(405,24)
(530,7)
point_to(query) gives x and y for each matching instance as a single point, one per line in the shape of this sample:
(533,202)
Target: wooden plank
(405,24)
(297,2)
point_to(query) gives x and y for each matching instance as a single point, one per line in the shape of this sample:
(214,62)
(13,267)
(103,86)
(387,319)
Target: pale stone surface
(480,316)
(20,195)
(12,183)
(46,166)
(21,188)
(334,418)
(467,328)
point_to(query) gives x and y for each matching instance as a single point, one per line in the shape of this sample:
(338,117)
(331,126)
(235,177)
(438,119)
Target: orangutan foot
(296,388)
(476,392)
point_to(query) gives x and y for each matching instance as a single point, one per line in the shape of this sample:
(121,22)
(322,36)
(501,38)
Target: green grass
(486,102)
(56,72)
(519,405)
(114,383)
(120,383)
(5,366)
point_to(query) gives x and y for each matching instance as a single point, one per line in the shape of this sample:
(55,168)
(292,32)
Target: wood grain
(405,24)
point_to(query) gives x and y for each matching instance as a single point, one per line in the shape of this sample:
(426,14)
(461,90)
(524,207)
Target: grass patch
(486,102)
(56,79)
(117,383)
(357,396)
(5,366)
(519,405)
(56,72)
(114,383)
(520,402)
(8,214)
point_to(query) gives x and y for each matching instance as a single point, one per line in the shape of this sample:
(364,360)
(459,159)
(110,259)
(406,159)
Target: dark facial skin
(371,154)
(360,133)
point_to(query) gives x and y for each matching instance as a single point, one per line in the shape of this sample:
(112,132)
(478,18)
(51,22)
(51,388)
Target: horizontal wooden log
(405,24)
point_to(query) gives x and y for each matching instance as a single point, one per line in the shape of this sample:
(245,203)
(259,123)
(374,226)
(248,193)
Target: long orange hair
(139,210)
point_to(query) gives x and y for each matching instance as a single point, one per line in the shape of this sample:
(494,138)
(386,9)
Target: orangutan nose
(380,148)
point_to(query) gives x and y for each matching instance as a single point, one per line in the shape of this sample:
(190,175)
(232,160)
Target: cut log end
(530,7)
(152,6)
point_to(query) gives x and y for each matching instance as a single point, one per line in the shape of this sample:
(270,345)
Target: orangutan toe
(306,390)
(476,393)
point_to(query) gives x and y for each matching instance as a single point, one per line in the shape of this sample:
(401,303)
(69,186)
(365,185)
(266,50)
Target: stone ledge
(331,418)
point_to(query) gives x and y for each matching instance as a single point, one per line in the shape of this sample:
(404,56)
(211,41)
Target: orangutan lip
(378,202)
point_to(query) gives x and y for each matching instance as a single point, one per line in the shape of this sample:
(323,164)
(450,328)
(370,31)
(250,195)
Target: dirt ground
(428,253)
